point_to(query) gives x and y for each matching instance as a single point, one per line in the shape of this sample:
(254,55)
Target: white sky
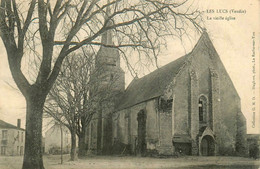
(232,40)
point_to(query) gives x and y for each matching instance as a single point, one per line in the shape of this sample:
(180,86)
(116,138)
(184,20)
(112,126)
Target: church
(189,106)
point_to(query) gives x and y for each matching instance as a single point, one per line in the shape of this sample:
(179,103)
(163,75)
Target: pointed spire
(107,36)
(107,55)
(108,10)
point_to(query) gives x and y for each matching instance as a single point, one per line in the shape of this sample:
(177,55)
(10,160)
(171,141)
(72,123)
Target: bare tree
(67,90)
(139,25)
(69,101)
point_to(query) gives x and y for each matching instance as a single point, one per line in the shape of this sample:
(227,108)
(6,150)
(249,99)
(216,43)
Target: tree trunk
(33,137)
(73,146)
(82,146)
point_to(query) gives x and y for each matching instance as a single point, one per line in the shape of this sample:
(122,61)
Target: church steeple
(108,81)
(107,70)
(108,56)
(106,38)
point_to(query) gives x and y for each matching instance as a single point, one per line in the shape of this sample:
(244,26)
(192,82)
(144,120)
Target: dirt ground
(129,162)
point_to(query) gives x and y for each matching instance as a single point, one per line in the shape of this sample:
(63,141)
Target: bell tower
(108,81)
(107,66)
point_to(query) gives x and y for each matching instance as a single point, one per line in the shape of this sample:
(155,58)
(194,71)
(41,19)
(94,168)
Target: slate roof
(154,84)
(151,85)
(6,125)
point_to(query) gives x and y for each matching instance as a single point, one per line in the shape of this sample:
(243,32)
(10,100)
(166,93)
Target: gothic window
(202,109)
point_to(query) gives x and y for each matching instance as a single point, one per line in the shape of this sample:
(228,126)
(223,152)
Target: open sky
(231,37)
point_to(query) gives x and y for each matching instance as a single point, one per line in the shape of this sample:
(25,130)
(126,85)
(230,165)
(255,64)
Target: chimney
(19,123)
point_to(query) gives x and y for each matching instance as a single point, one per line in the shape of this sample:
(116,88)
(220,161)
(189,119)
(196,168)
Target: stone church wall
(181,104)
(165,133)
(152,124)
(226,102)
(229,106)
(223,101)
(241,137)
(125,127)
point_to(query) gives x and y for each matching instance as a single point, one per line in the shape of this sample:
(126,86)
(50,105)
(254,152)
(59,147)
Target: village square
(126,84)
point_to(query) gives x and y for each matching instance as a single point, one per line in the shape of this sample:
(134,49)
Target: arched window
(202,109)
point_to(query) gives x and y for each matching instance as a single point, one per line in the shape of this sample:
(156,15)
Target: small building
(12,138)
(53,137)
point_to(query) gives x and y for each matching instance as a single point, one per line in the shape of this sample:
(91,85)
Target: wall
(165,133)
(181,103)
(14,142)
(125,125)
(241,138)
(152,126)
(215,83)
(211,80)
(92,135)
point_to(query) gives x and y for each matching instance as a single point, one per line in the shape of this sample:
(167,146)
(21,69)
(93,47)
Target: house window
(18,136)
(18,150)
(4,134)
(22,137)
(3,150)
(21,150)
(202,109)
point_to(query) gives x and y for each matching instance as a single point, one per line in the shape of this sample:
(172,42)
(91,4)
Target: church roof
(151,85)
(154,84)
(5,125)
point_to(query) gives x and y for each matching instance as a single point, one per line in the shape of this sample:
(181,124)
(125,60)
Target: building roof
(6,125)
(154,84)
(151,85)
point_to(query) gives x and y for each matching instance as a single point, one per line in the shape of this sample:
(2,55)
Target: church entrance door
(141,135)
(207,146)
